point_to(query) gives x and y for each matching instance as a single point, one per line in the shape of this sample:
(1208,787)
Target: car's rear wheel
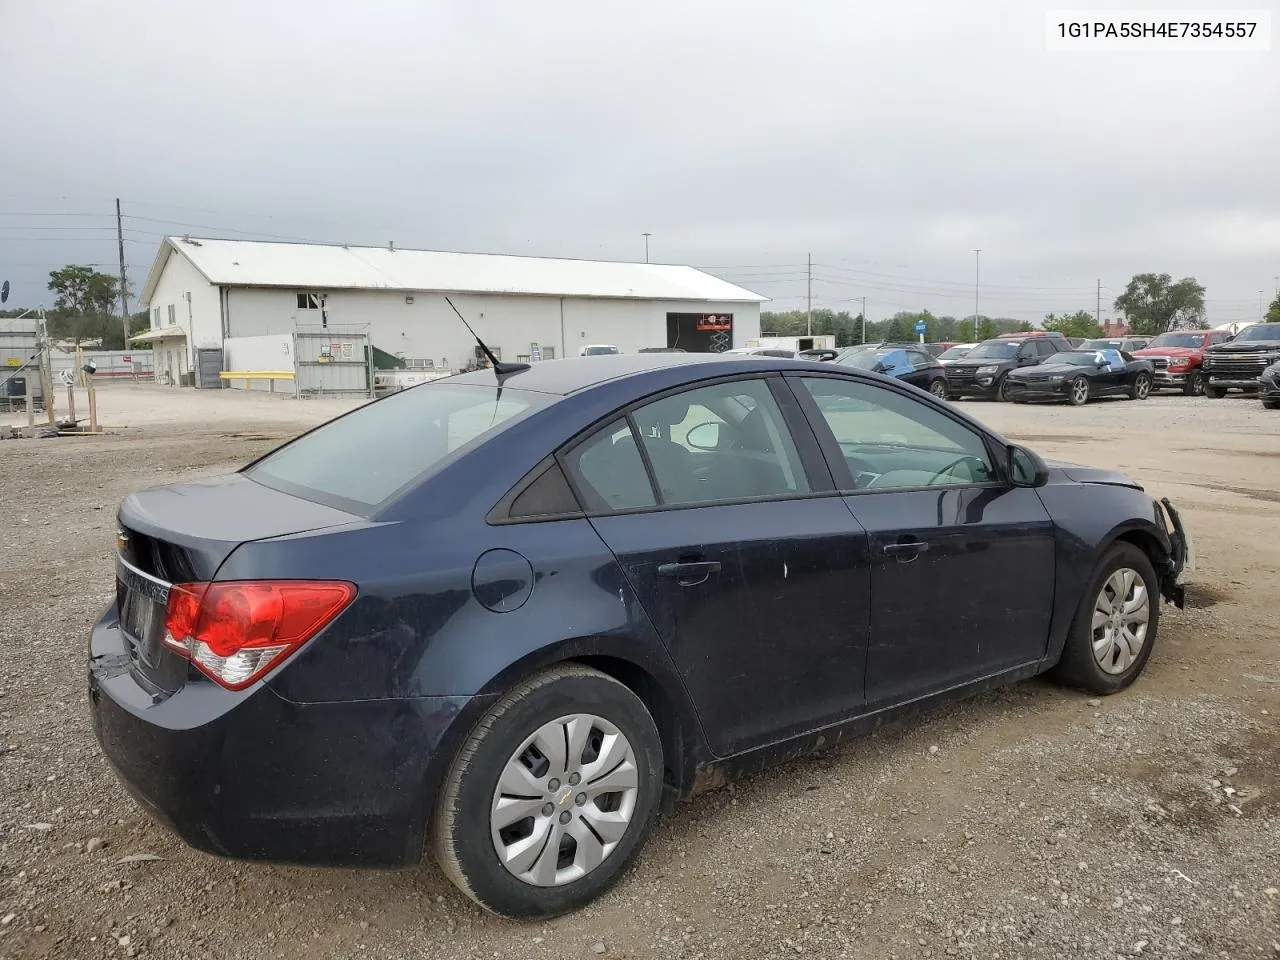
(1271,404)
(1194,387)
(1141,387)
(1111,638)
(1002,390)
(1078,392)
(1214,393)
(551,795)
(939,389)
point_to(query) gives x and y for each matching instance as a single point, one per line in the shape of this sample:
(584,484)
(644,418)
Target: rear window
(363,459)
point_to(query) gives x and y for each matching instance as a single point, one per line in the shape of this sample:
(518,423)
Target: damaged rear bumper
(1181,557)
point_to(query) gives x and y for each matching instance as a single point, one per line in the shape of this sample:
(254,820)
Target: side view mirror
(705,436)
(1026,469)
(880,367)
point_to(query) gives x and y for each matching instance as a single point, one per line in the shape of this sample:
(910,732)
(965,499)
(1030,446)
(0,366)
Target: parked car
(761,352)
(983,370)
(934,350)
(1075,342)
(501,616)
(906,363)
(957,351)
(1078,376)
(1177,357)
(819,353)
(1269,387)
(597,350)
(1237,364)
(1123,344)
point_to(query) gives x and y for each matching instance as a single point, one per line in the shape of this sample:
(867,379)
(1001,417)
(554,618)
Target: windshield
(598,351)
(844,355)
(364,458)
(994,350)
(1189,340)
(1100,345)
(865,359)
(1260,331)
(1078,358)
(955,353)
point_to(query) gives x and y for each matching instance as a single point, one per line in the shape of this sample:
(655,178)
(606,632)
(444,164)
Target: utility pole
(809,296)
(864,319)
(977,270)
(124,293)
(1261,315)
(1097,317)
(646,245)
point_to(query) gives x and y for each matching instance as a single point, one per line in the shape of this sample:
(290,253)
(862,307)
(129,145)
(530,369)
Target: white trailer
(819,341)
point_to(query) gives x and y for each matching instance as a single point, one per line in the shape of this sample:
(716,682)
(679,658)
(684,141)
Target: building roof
(314,266)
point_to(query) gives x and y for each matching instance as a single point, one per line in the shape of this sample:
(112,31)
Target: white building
(311,309)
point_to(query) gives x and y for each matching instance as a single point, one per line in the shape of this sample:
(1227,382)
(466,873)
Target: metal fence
(333,363)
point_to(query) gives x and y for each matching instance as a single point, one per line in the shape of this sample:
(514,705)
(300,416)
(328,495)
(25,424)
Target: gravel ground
(1033,822)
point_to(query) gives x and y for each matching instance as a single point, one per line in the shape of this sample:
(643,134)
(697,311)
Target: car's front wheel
(1002,390)
(1112,635)
(1141,387)
(1214,393)
(938,388)
(1194,386)
(1078,392)
(551,795)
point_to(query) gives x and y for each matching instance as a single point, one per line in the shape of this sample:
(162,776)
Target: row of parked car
(1043,365)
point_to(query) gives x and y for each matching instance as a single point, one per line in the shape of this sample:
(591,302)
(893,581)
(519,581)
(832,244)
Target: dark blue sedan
(504,616)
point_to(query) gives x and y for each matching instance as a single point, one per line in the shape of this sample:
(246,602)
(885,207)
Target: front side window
(891,442)
(361,460)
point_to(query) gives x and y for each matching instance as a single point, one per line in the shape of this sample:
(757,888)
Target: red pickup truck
(1177,356)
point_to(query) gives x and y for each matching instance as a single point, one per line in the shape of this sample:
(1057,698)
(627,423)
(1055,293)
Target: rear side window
(360,461)
(609,471)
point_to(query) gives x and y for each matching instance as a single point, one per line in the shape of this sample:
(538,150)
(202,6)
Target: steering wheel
(946,471)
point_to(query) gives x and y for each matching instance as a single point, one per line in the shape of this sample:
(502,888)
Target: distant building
(325,313)
(1115,328)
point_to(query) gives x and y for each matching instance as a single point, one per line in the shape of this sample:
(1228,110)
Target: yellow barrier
(248,376)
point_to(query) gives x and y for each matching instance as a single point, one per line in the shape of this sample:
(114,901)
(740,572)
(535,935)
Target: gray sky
(889,140)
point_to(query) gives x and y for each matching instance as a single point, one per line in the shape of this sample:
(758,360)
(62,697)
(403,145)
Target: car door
(962,562)
(922,367)
(759,589)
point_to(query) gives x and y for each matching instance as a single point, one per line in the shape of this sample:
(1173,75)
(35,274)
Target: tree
(1273,311)
(1078,324)
(1154,303)
(986,329)
(83,307)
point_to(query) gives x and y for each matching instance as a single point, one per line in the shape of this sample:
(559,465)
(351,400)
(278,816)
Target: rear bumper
(254,776)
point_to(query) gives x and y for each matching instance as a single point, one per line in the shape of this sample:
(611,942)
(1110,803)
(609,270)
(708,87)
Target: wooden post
(93,407)
(31,407)
(71,402)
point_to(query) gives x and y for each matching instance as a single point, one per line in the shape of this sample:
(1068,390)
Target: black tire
(938,388)
(1002,390)
(1078,666)
(461,836)
(1077,395)
(1214,393)
(1141,387)
(1271,404)
(1194,387)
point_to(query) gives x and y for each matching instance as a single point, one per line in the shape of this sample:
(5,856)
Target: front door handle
(690,573)
(907,550)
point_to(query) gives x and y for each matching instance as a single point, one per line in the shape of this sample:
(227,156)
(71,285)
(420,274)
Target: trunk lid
(182,533)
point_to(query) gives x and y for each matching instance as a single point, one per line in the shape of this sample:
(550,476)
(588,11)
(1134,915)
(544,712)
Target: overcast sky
(887,139)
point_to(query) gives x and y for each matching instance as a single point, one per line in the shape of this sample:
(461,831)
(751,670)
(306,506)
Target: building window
(308,301)
(155,317)
(173,315)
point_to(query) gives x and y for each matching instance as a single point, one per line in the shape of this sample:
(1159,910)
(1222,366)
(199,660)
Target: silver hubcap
(1143,387)
(1080,390)
(564,801)
(1120,616)
(939,389)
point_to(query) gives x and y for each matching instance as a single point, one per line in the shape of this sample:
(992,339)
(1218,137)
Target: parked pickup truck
(1177,357)
(1238,365)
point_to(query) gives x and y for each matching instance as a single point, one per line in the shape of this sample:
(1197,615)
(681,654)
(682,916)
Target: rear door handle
(689,573)
(906,551)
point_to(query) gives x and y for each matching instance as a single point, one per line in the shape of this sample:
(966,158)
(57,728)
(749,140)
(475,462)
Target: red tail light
(235,632)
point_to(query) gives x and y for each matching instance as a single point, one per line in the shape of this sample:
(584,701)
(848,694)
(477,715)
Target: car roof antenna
(499,368)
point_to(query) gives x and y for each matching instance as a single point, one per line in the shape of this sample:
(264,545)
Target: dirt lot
(1045,824)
